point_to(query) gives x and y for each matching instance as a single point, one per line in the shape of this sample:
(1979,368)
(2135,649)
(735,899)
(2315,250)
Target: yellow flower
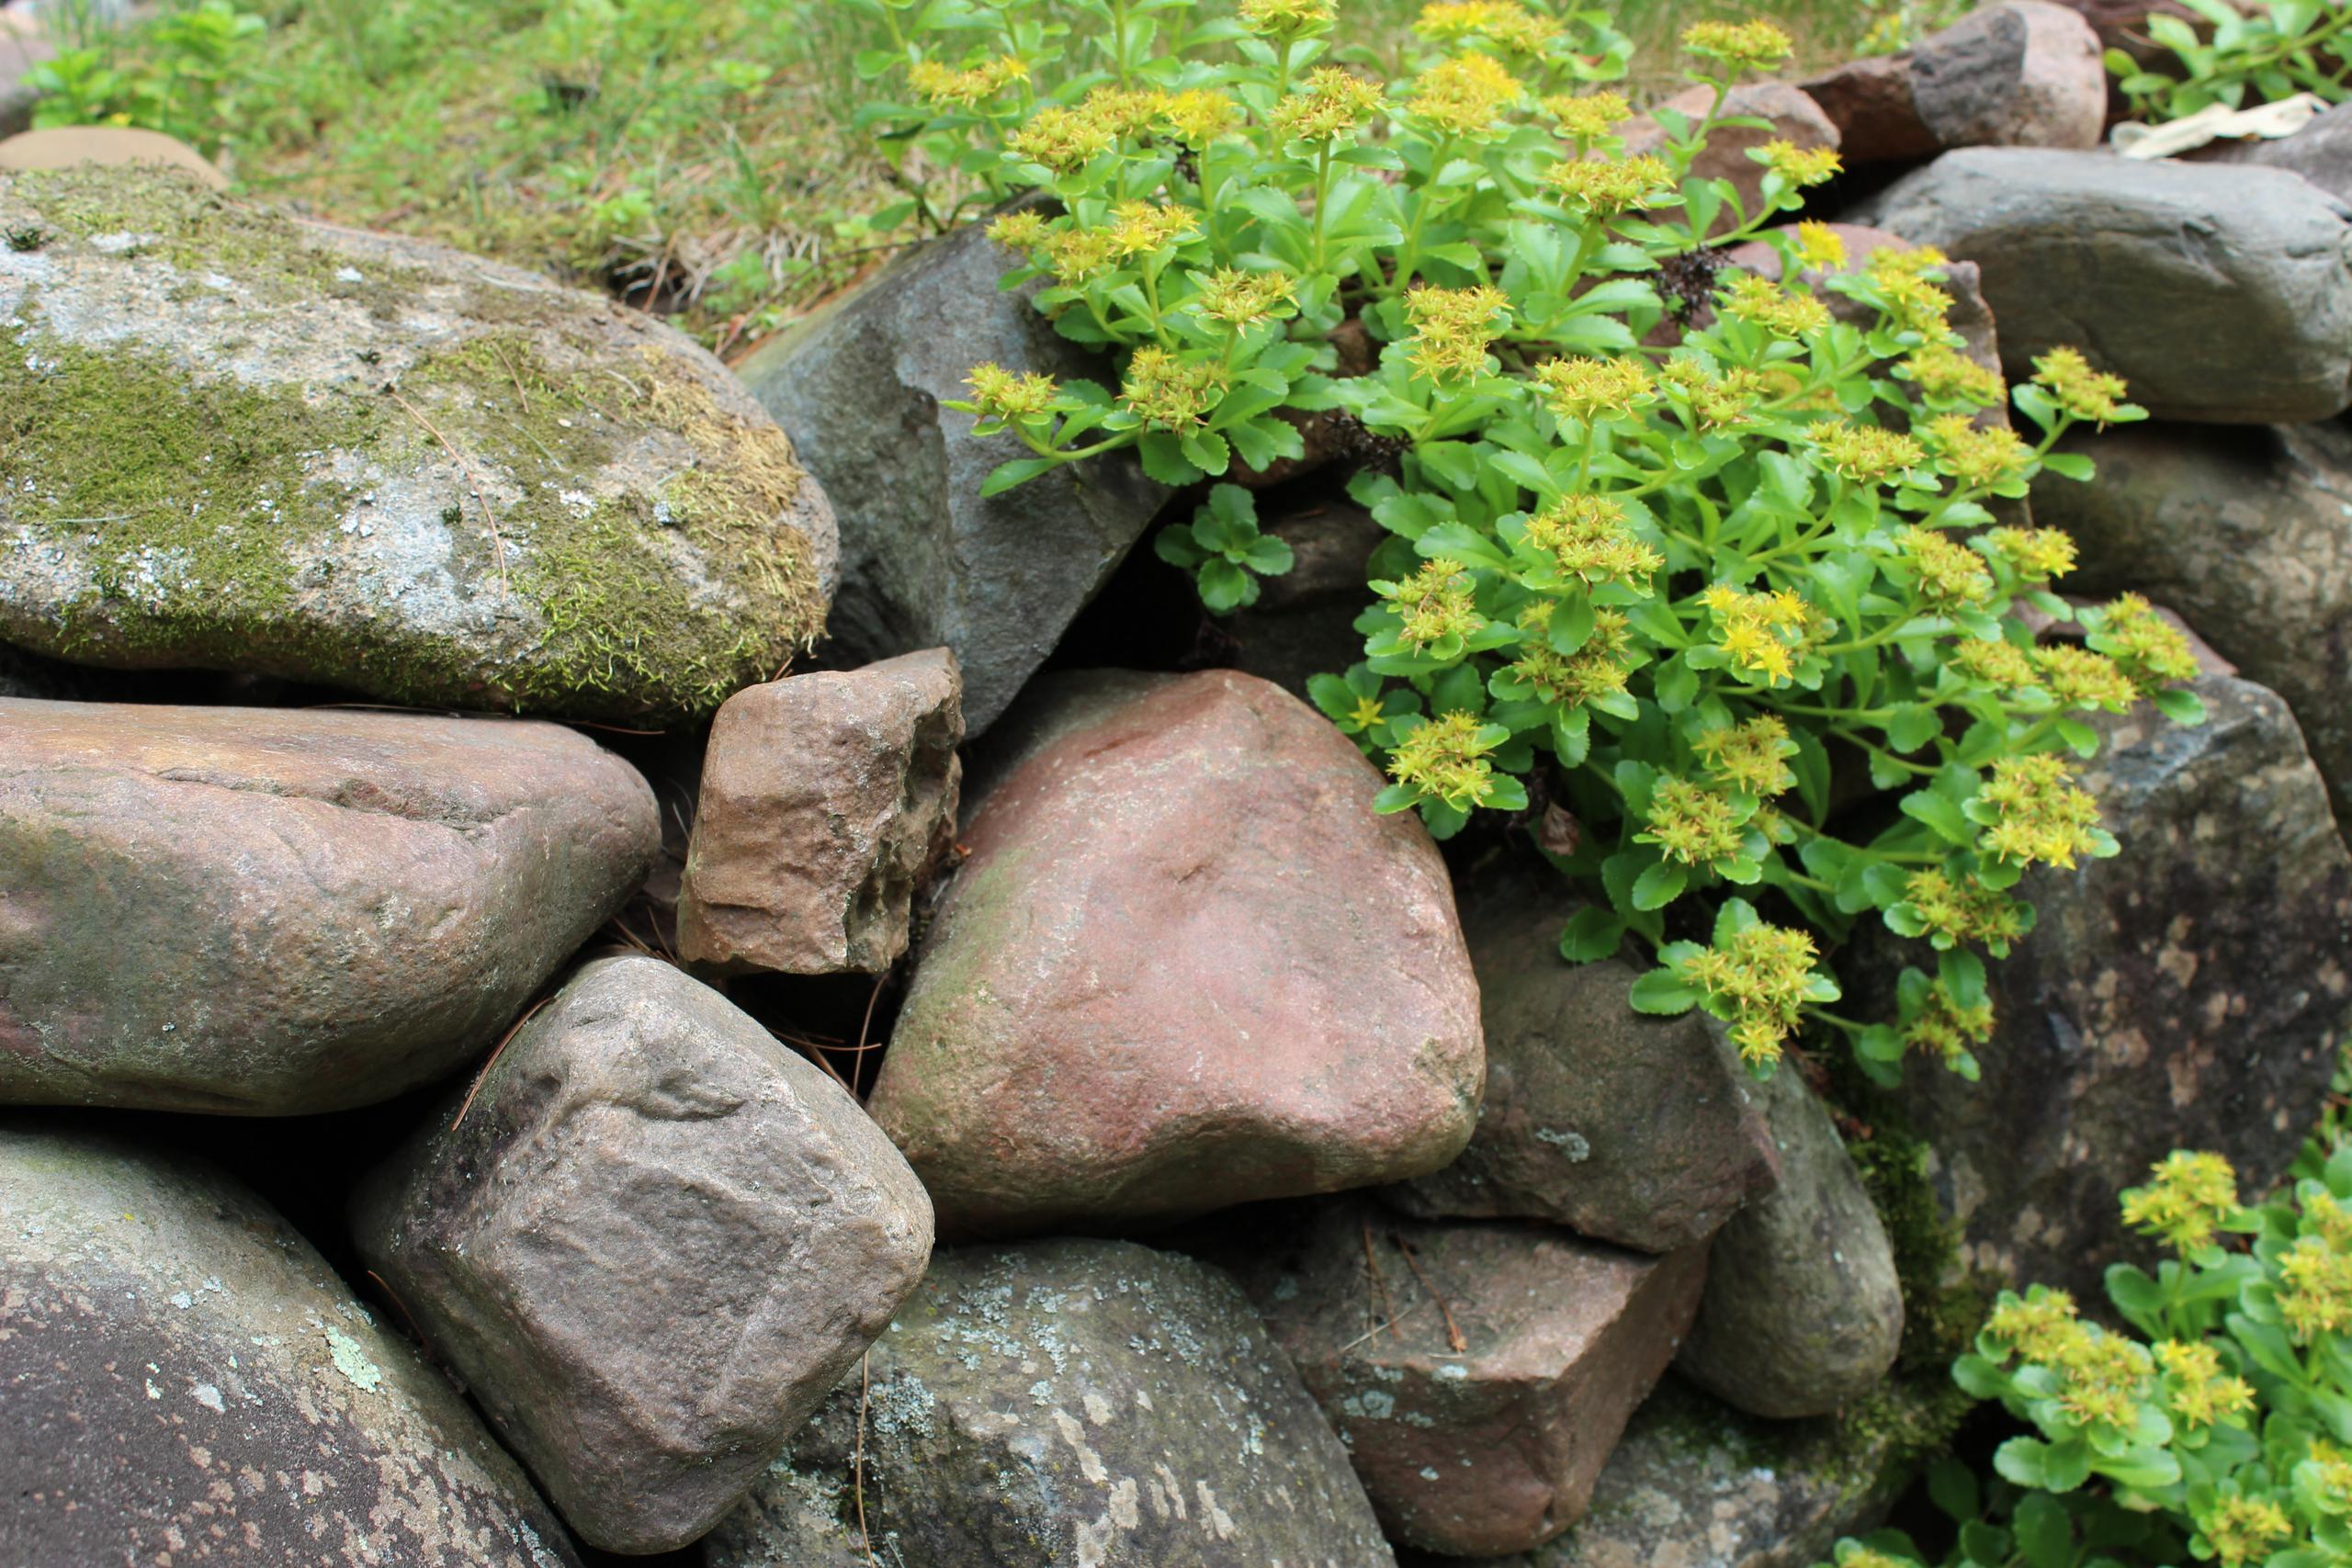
(1964,911)
(1993,661)
(1743,46)
(1445,759)
(1237,299)
(1591,115)
(1587,389)
(1125,111)
(1607,186)
(1436,603)
(1951,576)
(2035,554)
(2201,1395)
(1062,139)
(1019,230)
(1586,537)
(1763,976)
(1717,402)
(2244,1529)
(1864,452)
(2040,814)
(1199,114)
(1751,757)
(937,84)
(1465,95)
(1819,247)
(1594,671)
(1761,632)
(1799,165)
(1077,255)
(1944,1029)
(1761,303)
(1500,22)
(2081,679)
(1001,395)
(2315,1288)
(1980,456)
(1332,102)
(1170,393)
(1690,823)
(2151,651)
(1140,229)
(2083,392)
(1944,375)
(1288,18)
(1451,327)
(2042,1328)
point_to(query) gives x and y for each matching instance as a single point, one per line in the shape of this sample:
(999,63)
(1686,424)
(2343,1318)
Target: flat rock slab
(1184,966)
(825,799)
(235,440)
(1064,1404)
(652,1241)
(186,1380)
(262,912)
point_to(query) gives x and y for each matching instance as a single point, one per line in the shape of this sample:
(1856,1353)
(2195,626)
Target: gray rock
(265,911)
(2247,533)
(1804,1312)
(1303,622)
(185,1380)
(925,559)
(1063,1404)
(2190,993)
(652,1239)
(2018,73)
(2222,296)
(240,441)
(2320,152)
(1638,1130)
(824,799)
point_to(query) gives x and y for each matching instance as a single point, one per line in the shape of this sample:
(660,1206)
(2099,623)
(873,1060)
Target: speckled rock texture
(1184,966)
(1803,1311)
(1638,1129)
(1793,117)
(1063,1404)
(2247,533)
(262,912)
(1478,1372)
(2018,73)
(825,799)
(926,559)
(2190,993)
(186,1381)
(2221,295)
(235,440)
(651,1242)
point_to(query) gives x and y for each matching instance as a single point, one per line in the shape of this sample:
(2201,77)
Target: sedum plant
(2252,53)
(1671,543)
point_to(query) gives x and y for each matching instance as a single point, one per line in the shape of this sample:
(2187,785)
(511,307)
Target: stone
(238,440)
(2221,295)
(1632,1129)
(825,799)
(651,1238)
(187,1380)
(2018,73)
(1063,1404)
(269,912)
(2320,152)
(926,559)
(1804,1312)
(2190,993)
(1793,117)
(1184,966)
(1303,622)
(73,147)
(2247,532)
(1478,1372)
(1869,100)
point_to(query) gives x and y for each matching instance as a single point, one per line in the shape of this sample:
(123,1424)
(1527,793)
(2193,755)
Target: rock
(1804,1312)
(1793,117)
(1303,622)
(1064,1404)
(2320,153)
(2222,296)
(239,440)
(271,912)
(1632,1129)
(2248,533)
(1185,965)
(2190,993)
(2018,73)
(926,559)
(1480,1373)
(1869,100)
(73,147)
(825,799)
(186,1379)
(652,1241)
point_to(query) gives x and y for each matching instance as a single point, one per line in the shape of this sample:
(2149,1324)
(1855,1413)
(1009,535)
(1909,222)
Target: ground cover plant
(2240,57)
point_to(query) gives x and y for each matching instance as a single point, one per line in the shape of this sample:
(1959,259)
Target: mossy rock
(234,439)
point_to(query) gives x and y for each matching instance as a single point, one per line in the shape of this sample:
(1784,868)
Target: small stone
(1794,118)
(825,799)
(651,1239)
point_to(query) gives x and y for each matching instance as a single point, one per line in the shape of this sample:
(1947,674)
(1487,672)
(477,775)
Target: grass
(700,157)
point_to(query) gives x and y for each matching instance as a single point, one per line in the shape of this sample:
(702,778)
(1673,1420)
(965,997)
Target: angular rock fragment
(651,1238)
(2016,74)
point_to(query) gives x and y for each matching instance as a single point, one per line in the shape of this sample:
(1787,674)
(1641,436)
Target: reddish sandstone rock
(825,797)
(1185,965)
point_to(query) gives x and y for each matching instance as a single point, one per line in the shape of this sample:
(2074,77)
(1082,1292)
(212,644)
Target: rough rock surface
(1064,1404)
(186,1380)
(1869,100)
(652,1241)
(824,799)
(1638,1130)
(1184,966)
(278,911)
(1480,1373)
(2221,295)
(237,440)
(2320,152)
(1804,1312)
(2249,535)
(927,560)
(1794,118)
(2019,73)
(2190,993)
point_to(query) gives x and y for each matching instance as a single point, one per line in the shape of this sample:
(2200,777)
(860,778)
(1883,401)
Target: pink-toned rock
(1184,966)
(1869,100)
(2018,73)
(825,799)
(1480,1374)
(1794,118)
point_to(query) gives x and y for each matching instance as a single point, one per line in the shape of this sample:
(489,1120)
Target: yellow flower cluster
(1023,230)
(1752,758)
(1743,46)
(1978,456)
(1994,662)
(1904,278)
(2081,679)
(1690,823)
(2083,392)
(2040,1327)
(1587,389)
(2244,1529)
(2035,554)
(1588,539)
(2040,812)
(1590,115)
(1125,111)
(1451,327)
(1168,392)
(1762,632)
(1332,102)
(1761,976)
(1866,453)
(2201,1395)
(1944,1029)
(1237,299)
(1608,187)
(1594,671)
(1945,375)
(938,83)
(1717,402)
(2102,1377)
(1064,140)
(1761,303)
(1819,247)
(1466,96)
(1951,576)
(2330,1477)
(1964,911)
(1288,18)
(2315,1288)
(1799,165)
(1504,23)
(1076,255)
(1446,759)
(1436,603)
(1199,114)
(2151,649)
(1141,227)
(1001,395)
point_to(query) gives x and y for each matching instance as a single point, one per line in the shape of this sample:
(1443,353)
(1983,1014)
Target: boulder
(2320,152)
(1869,100)
(2190,993)
(187,1380)
(1792,117)
(73,147)
(238,440)
(2016,74)
(1634,1129)
(926,559)
(825,799)
(652,1239)
(1063,1404)
(2221,295)
(1803,1311)
(1184,966)
(2247,532)
(262,912)
(1480,1373)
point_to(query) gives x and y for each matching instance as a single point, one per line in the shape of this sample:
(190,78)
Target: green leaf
(2020,1461)
(1659,886)
(1268,557)
(1939,813)
(1661,992)
(1913,726)
(2044,1533)
(1592,933)
(2069,464)
(1225,586)
(2180,705)
(1952,1487)
(1163,459)
(1020,471)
